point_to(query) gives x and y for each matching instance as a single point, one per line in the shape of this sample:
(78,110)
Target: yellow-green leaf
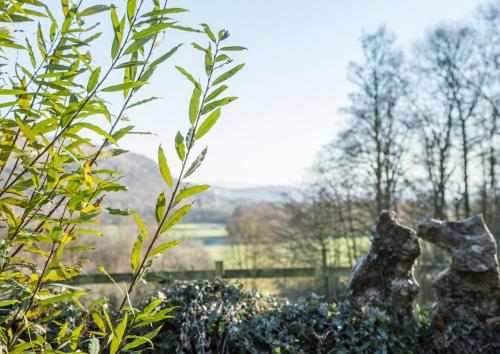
(163,247)
(194,105)
(160,207)
(209,32)
(131,5)
(99,321)
(228,74)
(189,192)
(96,129)
(207,123)
(124,86)
(12,92)
(93,79)
(94,10)
(26,130)
(135,258)
(141,225)
(234,48)
(117,338)
(175,218)
(179,146)
(165,171)
(188,76)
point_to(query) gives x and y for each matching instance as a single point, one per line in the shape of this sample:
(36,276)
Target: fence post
(219,269)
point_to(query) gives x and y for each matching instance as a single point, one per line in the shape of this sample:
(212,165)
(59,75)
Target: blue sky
(292,86)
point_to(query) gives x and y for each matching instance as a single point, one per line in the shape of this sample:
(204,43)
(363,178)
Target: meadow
(212,243)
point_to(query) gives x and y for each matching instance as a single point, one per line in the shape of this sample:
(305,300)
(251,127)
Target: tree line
(420,136)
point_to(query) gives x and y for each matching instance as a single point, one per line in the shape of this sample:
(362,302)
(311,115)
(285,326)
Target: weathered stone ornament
(382,281)
(470,287)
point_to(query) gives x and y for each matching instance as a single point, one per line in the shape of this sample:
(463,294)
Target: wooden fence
(220,272)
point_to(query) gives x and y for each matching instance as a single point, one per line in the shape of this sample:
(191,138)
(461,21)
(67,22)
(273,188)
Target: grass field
(199,230)
(213,239)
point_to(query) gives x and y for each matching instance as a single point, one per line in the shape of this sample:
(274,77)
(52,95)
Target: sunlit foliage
(55,89)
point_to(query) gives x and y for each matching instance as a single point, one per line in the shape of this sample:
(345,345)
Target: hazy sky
(292,86)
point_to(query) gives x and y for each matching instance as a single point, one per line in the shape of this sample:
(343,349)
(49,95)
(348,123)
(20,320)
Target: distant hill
(256,194)
(142,177)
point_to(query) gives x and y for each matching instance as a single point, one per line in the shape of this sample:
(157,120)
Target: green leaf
(152,30)
(117,339)
(131,6)
(135,258)
(26,130)
(139,340)
(190,191)
(115,48)
(120,212)
(196,163)
(93,79)
(75,336)
(209,61)
(214,104)
(160,207)
(96,129)
(179,146)
(175,218)
(199,47)
(222,57)
(30,52)
(140,102)
(194,105)
(157,13)
(228,74)
(216,93)
(234,48)
(118,28)
(13,92)
(207,124)
(165,56)
(114,18)
(65,7)
(209,32)
(94,10)
(62,297)
(163,247)
(223,34)
(124,86)
(140,224)
(137,45)
(165,171)
(130,64)
(188,76)
(186,29)
(8,302)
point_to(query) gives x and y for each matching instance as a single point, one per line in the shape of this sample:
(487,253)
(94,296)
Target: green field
(213,239)
(199,230)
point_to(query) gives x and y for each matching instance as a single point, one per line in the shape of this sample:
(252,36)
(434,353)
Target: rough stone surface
(383,280)
(470,287)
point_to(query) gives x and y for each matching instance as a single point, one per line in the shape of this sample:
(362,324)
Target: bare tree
(447,105)
(250,230)
(309,231)
(447,66)
(489,124)
(374,139)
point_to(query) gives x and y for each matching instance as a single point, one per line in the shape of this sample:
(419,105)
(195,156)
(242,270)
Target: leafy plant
(217,317)
(51,185)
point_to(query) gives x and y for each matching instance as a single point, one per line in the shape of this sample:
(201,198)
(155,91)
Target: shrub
(51,185)
(217,317)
